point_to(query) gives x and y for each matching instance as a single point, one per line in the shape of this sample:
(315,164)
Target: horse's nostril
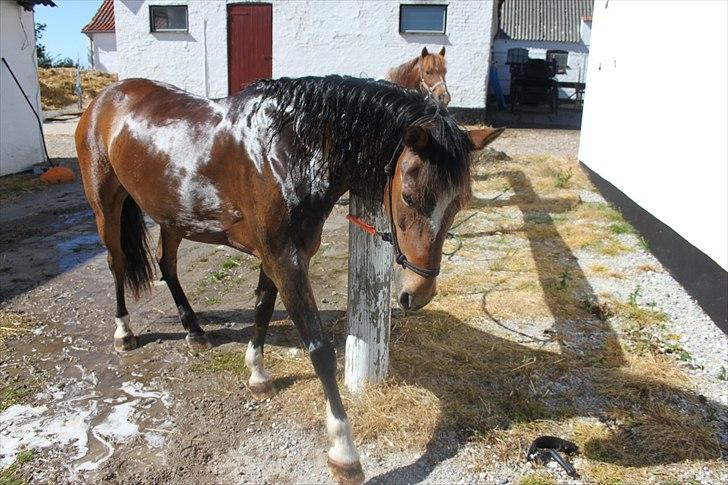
(405,300)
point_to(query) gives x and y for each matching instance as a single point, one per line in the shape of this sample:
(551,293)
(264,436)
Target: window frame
(152,30)
(402,7)
(557,53)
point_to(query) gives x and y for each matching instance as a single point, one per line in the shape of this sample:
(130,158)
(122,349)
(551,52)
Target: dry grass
(647,268)
(58,86)
(602,270)
(476,365)
(13,324)
(12,186)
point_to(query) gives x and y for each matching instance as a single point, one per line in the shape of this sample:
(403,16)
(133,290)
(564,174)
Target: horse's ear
(442,51)
(415,137)
(484,136)
(424,51)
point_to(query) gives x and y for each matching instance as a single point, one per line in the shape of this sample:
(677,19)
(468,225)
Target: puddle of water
(82,420)
(76,250)
(26,427)
(74,218)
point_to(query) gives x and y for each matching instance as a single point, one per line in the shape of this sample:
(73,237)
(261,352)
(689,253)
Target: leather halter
(399,257)
(391,237)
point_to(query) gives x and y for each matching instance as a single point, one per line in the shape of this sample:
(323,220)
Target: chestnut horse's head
(425,190)
(431,70)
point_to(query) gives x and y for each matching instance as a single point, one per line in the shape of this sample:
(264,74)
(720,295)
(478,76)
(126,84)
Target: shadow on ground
(485,383)
(47,231)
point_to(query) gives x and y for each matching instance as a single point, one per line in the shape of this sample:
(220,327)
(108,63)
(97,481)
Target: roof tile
(103,21)
(549,20)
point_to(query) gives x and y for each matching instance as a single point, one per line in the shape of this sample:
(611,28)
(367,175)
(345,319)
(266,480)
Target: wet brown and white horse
(425,72)
(260,171)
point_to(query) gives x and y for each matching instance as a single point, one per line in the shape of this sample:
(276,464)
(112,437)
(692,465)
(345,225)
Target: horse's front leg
(260,384)
(295,289)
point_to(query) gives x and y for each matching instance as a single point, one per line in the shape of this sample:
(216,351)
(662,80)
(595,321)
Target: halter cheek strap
(391,237)
(429,88)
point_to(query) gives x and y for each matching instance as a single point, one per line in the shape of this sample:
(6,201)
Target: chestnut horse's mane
(352,126)
(406,75)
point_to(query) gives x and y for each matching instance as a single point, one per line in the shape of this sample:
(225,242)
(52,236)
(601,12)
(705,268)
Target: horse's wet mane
(352,127)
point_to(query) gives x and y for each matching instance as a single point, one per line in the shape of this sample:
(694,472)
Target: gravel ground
(150,417)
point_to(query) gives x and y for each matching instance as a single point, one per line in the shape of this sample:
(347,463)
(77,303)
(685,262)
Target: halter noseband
(431,89)
(391,237)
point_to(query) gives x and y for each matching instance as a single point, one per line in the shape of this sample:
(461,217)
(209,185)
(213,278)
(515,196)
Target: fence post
(79,88)
(368,310)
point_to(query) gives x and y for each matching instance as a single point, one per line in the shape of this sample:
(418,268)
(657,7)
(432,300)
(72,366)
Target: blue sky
(63,37)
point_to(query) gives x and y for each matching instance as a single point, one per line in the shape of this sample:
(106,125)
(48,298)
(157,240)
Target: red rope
(363,225)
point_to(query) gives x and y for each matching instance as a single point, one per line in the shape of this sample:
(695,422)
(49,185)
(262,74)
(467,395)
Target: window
(561,58)
(517,55)
(422,19)
(168,18)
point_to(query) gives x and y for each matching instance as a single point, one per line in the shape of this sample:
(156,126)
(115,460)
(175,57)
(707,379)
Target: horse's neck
(405,74)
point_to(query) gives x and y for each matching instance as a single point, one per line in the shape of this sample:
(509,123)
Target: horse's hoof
(348,474)
(262,390)
(198,343)
(125,344)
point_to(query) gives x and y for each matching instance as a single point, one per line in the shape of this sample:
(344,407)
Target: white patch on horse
(342,449)
(438,213)
(254,138)
(254,361)
(122,327)
(188,148)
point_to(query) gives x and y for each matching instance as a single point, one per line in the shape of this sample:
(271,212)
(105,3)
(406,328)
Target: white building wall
(20,138)
(649,135)
(103,50)
(577,62)
(361,38)
(358,38)
(195,61)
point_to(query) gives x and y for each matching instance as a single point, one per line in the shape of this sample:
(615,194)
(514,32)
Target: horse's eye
(429,72)
(407,198)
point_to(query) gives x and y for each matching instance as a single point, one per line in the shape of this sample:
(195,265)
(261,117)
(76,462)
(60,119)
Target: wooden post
(368,312)
(79,89)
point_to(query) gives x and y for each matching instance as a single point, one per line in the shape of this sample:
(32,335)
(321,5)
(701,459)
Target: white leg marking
(254,361)
(342,449)
(122,327)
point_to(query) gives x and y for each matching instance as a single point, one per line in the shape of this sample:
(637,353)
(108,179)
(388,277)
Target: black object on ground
(546,448)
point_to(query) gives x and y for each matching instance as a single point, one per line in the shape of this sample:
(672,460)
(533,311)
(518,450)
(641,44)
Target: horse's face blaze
(423,210)
(422,215)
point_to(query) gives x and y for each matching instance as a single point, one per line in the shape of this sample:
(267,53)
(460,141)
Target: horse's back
(175,153)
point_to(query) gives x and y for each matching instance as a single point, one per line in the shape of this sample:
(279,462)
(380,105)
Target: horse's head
(432,72)
(423,194)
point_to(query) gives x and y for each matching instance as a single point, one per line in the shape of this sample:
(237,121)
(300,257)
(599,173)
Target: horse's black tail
(138,270)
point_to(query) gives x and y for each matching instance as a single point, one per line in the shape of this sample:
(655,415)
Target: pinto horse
(260,171)
(425,72)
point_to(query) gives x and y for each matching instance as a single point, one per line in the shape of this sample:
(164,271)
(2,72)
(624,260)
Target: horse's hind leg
(167,258)
(108,210)
(260,384)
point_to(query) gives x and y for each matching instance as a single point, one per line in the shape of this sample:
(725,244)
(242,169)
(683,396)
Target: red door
(250,44)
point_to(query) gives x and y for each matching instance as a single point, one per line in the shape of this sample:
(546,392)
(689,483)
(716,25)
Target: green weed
(562,178)
(11,475)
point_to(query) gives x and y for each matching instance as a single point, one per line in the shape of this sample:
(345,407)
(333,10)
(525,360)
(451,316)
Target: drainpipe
(204,67)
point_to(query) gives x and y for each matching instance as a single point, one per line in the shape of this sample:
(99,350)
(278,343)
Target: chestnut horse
(260,171)
(425,72)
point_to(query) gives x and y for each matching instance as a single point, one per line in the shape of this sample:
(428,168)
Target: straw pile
(58,86)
